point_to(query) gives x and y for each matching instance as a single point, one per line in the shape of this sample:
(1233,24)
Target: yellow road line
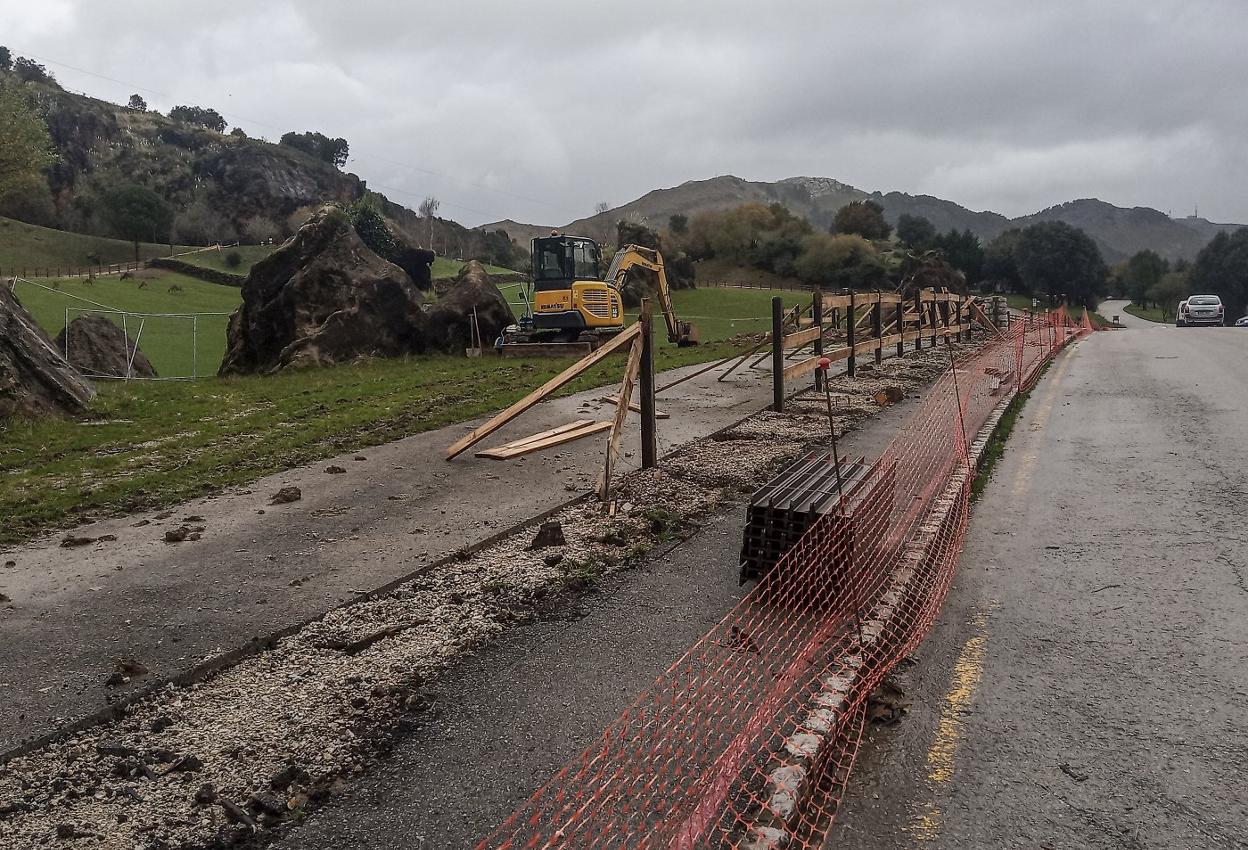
(926,818)
(1023,476)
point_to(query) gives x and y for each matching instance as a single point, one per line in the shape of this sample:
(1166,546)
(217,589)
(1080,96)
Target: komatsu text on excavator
(572,304)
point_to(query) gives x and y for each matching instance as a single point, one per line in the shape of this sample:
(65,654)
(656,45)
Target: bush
(233,259)
(371,226)
(258,229)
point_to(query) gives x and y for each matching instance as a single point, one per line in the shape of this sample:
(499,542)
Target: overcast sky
(536,110)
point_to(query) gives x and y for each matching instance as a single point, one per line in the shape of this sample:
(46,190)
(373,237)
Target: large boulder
(449,320)
(34,379)
(323,298)
(417,262)
(96,346)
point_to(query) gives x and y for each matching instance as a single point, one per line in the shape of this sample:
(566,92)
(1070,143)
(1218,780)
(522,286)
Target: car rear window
(1204,300)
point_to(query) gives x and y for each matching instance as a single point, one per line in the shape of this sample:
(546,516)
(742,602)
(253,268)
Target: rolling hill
(1119,232)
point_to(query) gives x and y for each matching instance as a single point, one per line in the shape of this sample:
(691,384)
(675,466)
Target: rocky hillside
(221,186)
(1119,232)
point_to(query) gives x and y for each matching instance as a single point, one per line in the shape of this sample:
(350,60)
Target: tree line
(863,250)
(1221,269)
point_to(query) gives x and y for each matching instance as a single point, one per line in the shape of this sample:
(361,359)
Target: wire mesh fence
(179,345)
(748,739)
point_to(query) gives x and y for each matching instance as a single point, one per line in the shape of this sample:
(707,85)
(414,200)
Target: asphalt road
(259,568)
(1087,684)
(507,719)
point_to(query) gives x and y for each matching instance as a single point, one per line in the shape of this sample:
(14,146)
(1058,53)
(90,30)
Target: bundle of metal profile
(783,509)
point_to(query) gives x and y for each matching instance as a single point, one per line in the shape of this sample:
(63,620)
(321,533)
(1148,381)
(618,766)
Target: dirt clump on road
(97,346)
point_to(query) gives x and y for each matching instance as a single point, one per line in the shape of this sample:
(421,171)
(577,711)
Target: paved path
(1087,685)
(509,718)
(260,568)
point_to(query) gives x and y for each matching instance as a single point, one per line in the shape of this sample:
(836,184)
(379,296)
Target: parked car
(1201,310)
(1242,323)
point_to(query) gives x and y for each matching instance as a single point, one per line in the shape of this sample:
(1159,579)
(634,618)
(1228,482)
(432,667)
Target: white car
(1242,323)
(1201,310)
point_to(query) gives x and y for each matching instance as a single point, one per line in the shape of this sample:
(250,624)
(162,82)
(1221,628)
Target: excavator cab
(569,294)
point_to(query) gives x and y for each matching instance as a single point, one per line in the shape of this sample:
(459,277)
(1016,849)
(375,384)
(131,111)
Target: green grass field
(27,247)
(149,444)
(215,259)
(1151,314)
(444,267)
(177,347)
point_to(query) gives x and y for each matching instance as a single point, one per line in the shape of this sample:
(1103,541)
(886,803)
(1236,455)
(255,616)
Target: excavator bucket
(688,335)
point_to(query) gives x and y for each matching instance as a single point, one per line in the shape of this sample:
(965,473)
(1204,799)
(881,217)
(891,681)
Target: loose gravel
(229,759)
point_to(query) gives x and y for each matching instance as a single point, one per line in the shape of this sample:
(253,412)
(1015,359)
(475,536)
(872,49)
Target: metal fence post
(649,430)
(777,354)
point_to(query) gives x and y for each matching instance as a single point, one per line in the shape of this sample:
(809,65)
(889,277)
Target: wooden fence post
(777,354)
(877,328)
(918,319)
(901,327)
(931,311)
(851,319)
(649,423)
(816,313)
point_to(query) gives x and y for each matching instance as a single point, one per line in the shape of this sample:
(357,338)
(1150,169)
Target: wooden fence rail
(872,321)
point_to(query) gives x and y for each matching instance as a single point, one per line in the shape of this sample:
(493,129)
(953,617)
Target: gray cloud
(537,110)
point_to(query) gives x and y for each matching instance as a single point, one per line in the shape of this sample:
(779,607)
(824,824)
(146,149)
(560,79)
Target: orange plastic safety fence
(748,739)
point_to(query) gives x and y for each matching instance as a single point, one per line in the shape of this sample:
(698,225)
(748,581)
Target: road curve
(1087,685)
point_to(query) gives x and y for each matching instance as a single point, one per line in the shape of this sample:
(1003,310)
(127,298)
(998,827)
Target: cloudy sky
(536,109)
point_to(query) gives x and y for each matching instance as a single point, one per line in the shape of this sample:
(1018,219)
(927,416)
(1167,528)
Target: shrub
(233,259)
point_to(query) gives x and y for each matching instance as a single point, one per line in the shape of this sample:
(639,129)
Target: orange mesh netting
(748,739)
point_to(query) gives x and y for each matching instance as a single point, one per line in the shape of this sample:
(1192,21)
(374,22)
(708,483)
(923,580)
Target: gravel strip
(221,761)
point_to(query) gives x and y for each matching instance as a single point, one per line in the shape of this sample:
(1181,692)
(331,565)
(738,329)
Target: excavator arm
(639,256)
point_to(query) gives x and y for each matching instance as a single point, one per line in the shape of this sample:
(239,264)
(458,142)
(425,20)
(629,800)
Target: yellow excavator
(572,304)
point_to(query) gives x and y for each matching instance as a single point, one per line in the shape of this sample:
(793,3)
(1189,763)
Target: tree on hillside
(238,133)
(1168,291)
(25,147)
(915,231)
(428,207)
(865,218)
(845,260)
(601,207)
(333,151)
(30,71)
(137,213)
(678,223)
(137,104)
(1000,268)
(1221,268)
(1060,261)
(199,115)
(6,59)
(370,224)
(962,249)
(1141,274)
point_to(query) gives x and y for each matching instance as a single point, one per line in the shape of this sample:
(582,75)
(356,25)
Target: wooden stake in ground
(481,432)
(621,416)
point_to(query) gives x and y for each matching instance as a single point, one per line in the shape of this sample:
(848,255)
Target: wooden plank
(483,431)
(800,338)
(528,445)
(634,406)
(839,302)
(541,435)
(890,298)
(621,416)
(810,364)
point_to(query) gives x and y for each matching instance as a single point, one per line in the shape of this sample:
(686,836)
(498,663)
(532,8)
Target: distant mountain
(1119,232)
